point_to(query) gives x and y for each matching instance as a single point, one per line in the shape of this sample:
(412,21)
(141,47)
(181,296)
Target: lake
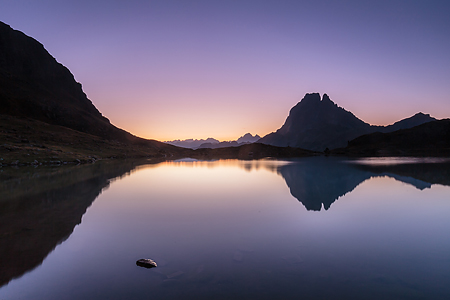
(311,228)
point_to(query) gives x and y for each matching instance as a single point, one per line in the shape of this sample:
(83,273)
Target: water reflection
(318,182)
(39,208)
(415,173)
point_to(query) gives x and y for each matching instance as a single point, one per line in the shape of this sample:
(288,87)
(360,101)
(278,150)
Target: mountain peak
(248,138)
(327,101)
(413,121)
(314,100)
(325,98)
(317,124)
(310,98)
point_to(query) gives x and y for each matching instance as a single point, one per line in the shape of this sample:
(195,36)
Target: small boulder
(146,263)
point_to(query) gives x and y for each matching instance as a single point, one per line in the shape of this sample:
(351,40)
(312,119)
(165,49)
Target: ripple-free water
(312,228)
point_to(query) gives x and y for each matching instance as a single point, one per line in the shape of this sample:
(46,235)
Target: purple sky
(196,69)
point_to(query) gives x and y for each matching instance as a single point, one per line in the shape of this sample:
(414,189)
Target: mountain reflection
(318,182)
(40,207)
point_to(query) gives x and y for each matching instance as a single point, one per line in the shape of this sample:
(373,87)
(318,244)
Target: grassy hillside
(27,141)
(429,139)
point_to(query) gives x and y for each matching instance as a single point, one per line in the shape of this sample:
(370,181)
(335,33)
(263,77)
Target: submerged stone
(146,263)
(175,275)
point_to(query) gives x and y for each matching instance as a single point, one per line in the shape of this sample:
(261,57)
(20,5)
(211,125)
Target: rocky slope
(35,87)
(317,124)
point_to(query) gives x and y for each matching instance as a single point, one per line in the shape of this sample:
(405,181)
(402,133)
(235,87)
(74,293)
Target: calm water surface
(316,228)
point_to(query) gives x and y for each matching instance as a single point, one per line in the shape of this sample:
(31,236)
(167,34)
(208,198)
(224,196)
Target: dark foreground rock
(146,263)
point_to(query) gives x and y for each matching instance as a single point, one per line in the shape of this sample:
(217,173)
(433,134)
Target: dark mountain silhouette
(317,124)
(40,207)
(45,117)
(319,182)
(428,139)
(34,86)
(410,122)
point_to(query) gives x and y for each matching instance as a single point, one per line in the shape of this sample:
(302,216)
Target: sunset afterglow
(195,69)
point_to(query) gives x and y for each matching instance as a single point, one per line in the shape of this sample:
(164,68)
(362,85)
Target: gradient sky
(196,69)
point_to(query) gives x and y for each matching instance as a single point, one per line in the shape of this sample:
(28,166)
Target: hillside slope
(429,139)
(34,87)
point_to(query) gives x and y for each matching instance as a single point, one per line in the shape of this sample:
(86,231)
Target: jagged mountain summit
(317,124)
(248,138)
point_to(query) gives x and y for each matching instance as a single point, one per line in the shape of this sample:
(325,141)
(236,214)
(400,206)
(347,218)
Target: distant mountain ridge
(248,138)
(243,140)
(317,124)
(191,143)
(213,143)
(417,119)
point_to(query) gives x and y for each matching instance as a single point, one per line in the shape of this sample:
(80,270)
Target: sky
(184,69)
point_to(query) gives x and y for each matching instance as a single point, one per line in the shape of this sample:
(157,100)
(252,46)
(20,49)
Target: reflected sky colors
(232,229)
(196,69)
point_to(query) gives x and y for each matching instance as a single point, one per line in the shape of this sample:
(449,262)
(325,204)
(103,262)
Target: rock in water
(146,263)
